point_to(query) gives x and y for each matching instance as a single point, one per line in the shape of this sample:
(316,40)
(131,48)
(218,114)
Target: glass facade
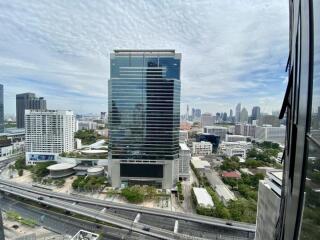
(1,110)
(311,214)
(144,105)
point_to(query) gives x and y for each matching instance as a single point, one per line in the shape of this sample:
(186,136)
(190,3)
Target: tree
(20,163)
(133,194)
(40,169)
(20,172)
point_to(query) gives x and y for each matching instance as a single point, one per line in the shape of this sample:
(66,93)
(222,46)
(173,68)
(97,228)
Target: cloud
(231,50)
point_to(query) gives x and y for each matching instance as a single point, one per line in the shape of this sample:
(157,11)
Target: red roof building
(233,174)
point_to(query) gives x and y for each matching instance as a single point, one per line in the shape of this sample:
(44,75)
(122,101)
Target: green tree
(133,194)
(20,172)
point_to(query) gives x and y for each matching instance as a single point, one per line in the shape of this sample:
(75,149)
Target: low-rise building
(8,148)
(238,149)
(270,134)
(232,174)
(235,138)
(184,161)
(201,148)
(86,125)
(199,164)
(268,207)
(203,198)
(224,193)
(216,130)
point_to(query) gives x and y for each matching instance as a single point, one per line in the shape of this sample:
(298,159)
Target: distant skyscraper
(187,112)
(27,101)
(238,111)
(225,117)
(144,112)
(231,113)
(255,113)
(244,115)
(1,110)
(196,114)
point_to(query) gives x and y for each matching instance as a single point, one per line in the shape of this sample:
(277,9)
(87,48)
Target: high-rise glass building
(27,101)
(255,113)
(144,117)
(238,111)
(1,110)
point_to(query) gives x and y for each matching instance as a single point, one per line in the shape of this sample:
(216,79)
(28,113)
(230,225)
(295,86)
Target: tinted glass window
(311,216)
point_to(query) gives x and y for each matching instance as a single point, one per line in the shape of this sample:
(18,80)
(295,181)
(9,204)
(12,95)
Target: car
(146,229)
(229,223)
(40,198)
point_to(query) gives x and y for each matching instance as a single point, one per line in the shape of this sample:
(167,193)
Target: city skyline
(41,53)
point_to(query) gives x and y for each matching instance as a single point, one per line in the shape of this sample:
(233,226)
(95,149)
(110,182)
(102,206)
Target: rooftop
(224,192)
(233,174)
(199,164)
(203,197)
(61,166)
(184,147)
(144,50)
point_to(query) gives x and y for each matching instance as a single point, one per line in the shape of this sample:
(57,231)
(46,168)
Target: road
(99,215)
(189,224)
(63,224)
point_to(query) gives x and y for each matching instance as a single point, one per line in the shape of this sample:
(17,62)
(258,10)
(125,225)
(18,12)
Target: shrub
(133,194)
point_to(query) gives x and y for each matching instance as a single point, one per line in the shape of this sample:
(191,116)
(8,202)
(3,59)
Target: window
(311,215)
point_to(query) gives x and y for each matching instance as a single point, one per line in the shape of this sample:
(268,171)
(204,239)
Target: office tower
(255,115)
(225,117)
(27,101)
(244,115)
(1,110)
(144,111)
(268,206)
(184,161)
(207,119)
(198,113)
(48,133)
(238,111)
(231,113)
(188,113)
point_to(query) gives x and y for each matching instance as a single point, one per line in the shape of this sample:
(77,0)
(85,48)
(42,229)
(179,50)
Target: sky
(232,50)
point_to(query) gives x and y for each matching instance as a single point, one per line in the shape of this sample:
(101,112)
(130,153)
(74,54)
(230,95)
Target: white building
(216,130)
(238,149)
(200,165)
(224,193)
(271,134)
(8,150)
(269,198)
(86,125)
(183,136)
(245,129)
(184,161)
(235,138)
(203,197)
(201,148)
(207,119)
(48,133)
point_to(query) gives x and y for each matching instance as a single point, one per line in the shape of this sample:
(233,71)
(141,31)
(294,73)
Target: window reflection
(310,228)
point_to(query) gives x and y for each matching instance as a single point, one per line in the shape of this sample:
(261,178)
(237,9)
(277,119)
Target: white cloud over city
(232,51)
